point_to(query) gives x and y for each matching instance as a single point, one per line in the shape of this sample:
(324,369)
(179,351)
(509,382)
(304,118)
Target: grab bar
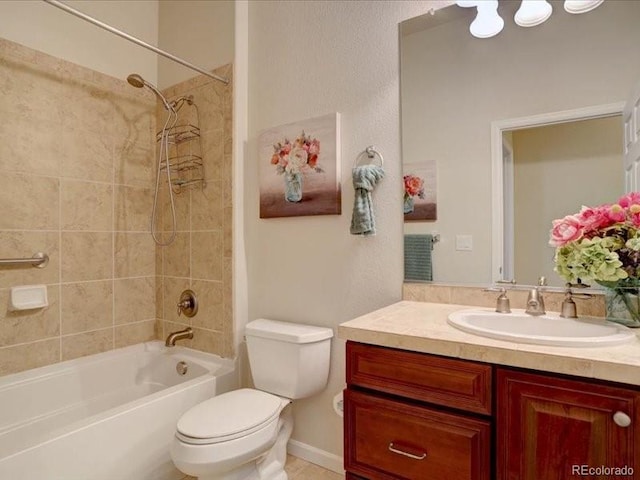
(39,260)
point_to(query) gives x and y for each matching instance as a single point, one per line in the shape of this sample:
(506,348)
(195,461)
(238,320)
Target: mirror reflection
(454,87)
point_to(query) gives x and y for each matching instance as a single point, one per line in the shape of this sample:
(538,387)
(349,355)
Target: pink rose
(592,219)
(629,199)
(634,215)
(565,231)
(413,185)
(314,147)
(616,213)
(285,150)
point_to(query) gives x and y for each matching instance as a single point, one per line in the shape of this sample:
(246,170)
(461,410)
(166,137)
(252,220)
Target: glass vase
(408,204)
(293,187)
(622,305)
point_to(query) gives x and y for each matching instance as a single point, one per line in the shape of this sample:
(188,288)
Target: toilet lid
(229,416)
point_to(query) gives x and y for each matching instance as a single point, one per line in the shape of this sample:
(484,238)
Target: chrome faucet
(173,337)
(535,302)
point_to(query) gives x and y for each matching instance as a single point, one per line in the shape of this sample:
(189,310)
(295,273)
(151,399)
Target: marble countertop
(423,327)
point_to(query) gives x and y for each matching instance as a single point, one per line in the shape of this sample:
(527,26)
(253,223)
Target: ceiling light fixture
(487,22)
(581,6)
(532,13)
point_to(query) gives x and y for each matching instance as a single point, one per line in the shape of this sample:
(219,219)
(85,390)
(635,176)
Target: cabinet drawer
(389,439)
(442,381)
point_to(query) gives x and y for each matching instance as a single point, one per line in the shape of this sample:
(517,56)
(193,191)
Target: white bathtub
(110,416)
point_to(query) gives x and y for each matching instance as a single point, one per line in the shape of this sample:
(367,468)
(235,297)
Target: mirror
(456,90)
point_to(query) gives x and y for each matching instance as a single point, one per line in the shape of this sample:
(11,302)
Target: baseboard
(311,454)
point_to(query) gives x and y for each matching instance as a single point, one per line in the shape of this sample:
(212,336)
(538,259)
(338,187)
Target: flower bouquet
(413,187)
(292,160)
(603,244)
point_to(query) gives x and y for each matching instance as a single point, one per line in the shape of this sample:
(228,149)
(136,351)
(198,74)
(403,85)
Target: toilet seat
(229,416)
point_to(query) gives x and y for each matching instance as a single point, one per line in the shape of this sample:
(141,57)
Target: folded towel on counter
(365,178)
(417,257)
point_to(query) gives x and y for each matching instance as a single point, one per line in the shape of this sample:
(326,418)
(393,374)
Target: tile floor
(298,469)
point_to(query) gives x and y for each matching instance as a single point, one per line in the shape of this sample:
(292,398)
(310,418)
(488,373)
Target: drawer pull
(392,448)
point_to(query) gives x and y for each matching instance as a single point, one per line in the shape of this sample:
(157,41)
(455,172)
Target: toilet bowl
(243,434)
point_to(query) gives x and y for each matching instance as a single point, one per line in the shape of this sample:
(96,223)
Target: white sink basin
(549,329)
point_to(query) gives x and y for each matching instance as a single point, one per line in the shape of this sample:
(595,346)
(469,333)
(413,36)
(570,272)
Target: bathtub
(109,416)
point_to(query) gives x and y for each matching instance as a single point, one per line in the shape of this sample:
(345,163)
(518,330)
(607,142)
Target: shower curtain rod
(133,39)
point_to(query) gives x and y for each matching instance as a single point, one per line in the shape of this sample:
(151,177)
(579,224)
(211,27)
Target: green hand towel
(365,178)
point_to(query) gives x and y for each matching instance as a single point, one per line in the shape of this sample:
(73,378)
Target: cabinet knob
(621,419)
(395,449)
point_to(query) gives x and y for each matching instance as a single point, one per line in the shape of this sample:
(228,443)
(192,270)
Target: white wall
(307,59)
(456,85)
(199,32)
(43,27)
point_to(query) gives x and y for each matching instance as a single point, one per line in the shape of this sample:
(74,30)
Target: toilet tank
(288,359)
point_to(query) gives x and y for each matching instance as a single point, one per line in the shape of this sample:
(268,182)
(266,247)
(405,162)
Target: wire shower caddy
(185,148)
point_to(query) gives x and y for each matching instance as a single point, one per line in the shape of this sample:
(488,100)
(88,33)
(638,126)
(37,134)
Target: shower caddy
(185,150)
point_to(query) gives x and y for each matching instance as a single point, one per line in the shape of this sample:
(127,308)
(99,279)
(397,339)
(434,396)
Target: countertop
(423,327)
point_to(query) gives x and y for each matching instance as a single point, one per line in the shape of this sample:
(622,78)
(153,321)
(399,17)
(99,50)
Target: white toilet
(243,434)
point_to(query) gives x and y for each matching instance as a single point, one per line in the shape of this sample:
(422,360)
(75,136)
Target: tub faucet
(535,302)
(173,337)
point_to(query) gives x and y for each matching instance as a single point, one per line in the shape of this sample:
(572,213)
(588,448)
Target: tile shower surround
(200,257)
(77,160)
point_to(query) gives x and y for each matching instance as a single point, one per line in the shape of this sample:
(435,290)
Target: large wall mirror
(570,76)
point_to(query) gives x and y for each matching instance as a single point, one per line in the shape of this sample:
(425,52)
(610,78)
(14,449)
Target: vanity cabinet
(415,416)
(549,427)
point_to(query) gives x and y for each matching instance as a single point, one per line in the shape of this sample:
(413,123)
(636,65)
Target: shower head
(137,81)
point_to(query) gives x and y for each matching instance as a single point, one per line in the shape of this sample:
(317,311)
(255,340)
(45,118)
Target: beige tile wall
(76,166)
(478,297)
(200,256)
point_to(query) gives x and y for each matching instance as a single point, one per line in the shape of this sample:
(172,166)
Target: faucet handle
(502,303)
(188,303)
(568,309)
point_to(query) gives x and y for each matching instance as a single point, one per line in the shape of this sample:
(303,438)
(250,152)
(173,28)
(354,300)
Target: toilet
(243,434)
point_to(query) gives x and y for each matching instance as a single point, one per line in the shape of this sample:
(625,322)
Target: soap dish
(28,297)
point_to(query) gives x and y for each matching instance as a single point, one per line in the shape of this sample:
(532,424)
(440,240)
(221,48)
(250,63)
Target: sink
(549,329)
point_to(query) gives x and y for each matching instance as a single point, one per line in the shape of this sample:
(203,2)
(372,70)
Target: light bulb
(581,6)
(487,22)
(532,13)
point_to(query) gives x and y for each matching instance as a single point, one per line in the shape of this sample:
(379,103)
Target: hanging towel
(365,178)
(417,257)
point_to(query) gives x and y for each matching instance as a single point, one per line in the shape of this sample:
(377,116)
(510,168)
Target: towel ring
(371,154)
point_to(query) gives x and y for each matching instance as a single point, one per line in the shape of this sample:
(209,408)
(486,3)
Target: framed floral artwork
(419,201)
(300,168)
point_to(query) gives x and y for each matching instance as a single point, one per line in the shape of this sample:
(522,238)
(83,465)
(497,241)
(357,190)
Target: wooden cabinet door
(551,428)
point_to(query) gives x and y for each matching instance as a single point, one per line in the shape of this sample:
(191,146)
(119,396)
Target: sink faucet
(535,302)
(173,337)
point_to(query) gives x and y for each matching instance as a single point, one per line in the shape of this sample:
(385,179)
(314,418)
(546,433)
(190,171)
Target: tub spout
(173,337)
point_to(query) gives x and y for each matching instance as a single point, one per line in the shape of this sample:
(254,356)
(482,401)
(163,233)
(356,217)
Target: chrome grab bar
(39,260)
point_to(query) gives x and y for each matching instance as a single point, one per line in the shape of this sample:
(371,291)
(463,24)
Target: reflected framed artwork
(420,191)
(300,168)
